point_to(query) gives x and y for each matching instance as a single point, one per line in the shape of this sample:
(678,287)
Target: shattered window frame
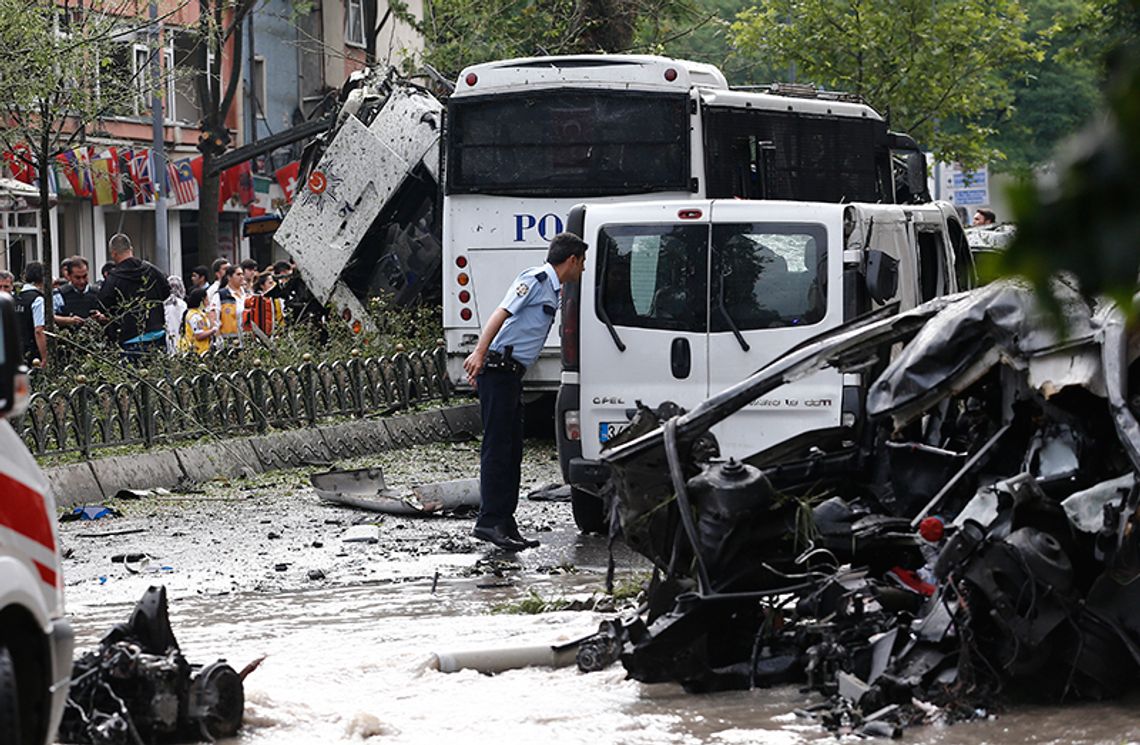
(769,274)
(566,142)
(679,292)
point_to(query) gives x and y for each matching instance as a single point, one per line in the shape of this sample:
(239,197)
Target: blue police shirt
(532,301)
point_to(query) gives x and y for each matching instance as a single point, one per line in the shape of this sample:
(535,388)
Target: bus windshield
(568,142)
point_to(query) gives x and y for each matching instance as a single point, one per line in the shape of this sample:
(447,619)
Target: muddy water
(349,665)
(346,654)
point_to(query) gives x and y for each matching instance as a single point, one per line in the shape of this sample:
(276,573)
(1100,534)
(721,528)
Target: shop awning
(16,196)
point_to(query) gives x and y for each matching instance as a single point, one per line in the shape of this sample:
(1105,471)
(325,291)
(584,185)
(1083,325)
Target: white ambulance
(35,639)
(682,299)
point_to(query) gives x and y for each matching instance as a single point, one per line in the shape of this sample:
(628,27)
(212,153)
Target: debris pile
(973,543)
(137,687)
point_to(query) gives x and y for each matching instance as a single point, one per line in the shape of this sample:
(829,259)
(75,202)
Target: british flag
(183,185)
(140,175)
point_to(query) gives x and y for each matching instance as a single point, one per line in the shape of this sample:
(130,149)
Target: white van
(35,638)
(682,299)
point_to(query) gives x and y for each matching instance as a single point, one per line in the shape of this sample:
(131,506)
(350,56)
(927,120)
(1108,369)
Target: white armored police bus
(526,139)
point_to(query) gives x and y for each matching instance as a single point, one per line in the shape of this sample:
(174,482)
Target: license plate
(609,430)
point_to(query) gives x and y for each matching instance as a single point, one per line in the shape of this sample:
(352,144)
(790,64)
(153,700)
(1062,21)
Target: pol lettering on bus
(547,226)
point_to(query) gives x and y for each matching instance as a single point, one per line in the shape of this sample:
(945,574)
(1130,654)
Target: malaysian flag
(183,185)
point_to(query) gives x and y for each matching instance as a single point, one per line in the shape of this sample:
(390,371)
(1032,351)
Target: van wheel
(589,511)
(9,700)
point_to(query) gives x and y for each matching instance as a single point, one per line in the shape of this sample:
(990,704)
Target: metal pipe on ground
(490,661)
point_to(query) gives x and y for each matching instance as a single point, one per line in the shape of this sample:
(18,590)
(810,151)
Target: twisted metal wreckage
(137,688)
(977,543)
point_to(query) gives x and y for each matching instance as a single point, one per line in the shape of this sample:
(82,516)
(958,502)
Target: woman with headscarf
(175,308)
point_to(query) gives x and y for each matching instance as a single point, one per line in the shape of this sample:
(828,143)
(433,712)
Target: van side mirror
(881,276)
(13,375)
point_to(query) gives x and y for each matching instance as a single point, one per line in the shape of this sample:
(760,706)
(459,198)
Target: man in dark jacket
(132,295)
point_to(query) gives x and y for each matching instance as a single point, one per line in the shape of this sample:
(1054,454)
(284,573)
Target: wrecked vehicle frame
(977,429)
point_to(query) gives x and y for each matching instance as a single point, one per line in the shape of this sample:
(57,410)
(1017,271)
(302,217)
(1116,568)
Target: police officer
(508,344)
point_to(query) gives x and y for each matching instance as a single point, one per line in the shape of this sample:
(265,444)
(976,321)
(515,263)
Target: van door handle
(681,358)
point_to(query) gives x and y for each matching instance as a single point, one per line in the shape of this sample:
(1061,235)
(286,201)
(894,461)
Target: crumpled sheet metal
(1001,321)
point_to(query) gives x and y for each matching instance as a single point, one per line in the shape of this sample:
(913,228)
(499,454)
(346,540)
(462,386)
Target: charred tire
(589,511)
(10,729)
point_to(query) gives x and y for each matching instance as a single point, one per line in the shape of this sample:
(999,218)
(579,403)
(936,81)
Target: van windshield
(579,143)
(767,275)
(654,276)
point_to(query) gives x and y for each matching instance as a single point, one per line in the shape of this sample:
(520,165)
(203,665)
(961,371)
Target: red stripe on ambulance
(47,574)
(23,510)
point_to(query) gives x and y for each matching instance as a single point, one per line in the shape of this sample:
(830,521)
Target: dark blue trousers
(500,459)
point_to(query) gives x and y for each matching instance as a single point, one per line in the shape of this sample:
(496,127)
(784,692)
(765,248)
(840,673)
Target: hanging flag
(227,185)
(183,185)
(65,186)
(73,168)
(287,177)
(196,169)
(125,182)
(140,178)
(21,163)
(105,178)
(243,181)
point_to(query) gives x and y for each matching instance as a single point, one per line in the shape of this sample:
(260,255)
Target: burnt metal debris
(974,542)
(136,687)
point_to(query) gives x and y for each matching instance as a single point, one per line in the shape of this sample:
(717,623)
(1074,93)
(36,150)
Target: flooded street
(346,656)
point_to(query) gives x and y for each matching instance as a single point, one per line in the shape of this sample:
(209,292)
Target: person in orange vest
(198,330)
(227,307)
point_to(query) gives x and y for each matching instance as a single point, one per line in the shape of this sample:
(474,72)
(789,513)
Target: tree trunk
(208,212)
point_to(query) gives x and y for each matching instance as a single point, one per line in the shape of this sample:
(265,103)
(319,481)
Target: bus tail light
(571,339)
(461,261)
(689,214)
(463,279)
(472,78)
(464,296)
(572,424)
(465,314)
(670,74)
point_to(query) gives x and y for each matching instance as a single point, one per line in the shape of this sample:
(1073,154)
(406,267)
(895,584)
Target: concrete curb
(96,480)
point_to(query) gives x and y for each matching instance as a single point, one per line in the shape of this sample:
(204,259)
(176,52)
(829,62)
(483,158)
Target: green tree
(220,23)
(704,35)
(1088,223)
(1055,96)
(458,33)
(62,71)
(939,68)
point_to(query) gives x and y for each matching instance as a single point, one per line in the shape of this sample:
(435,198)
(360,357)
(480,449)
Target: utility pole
(157,153)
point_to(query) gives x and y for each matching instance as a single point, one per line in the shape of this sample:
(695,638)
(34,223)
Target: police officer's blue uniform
(532,301)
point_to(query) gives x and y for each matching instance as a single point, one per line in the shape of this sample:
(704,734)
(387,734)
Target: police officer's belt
(497,361)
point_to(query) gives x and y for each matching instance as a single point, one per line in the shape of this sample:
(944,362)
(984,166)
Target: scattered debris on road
(137,687)
(974,543)
(366,489)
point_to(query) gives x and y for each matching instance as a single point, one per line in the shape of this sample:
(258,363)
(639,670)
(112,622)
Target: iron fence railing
(154,410)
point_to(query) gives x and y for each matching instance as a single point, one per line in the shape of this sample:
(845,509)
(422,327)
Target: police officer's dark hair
(34,273)
(106,268)
(282,266)
(218,264)
(201,271)
(563,246)
(249,264)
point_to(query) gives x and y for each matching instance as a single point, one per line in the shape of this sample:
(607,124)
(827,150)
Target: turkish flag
(287,177)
